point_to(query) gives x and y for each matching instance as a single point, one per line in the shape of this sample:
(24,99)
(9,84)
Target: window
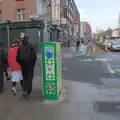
(65,13)
(54,11)
(20,14)
(67,2)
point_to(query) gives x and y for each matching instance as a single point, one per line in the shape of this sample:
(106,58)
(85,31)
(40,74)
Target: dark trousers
(77,48)
(14,84)
(27,73)
(68,45)
(6,73)
(1,79)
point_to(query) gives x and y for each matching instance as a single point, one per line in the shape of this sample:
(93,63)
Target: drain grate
(107,107)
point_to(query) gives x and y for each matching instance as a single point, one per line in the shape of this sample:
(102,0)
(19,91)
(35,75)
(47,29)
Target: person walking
(3,58)
(26,57)
(77,45)
(82,40)
(14,66)
(89,49)
(6,66)
(68,43)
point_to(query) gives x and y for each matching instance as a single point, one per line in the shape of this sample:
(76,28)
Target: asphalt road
(104,67)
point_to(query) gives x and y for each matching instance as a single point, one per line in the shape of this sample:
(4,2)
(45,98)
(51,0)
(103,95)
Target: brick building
(70,14)
(18,10)
(86,31)
(56,10)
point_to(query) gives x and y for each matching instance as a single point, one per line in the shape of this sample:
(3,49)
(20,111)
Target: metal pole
(8,35)
(46,22)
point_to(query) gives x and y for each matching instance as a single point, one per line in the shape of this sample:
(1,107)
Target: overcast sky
(100,13)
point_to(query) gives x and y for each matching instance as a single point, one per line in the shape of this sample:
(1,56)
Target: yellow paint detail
(110,68)
(106,49)
(94,49)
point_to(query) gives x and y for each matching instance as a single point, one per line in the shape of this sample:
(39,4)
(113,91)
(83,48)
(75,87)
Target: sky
(100,13)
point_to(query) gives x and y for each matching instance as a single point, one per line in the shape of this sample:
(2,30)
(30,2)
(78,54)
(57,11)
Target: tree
(108,32)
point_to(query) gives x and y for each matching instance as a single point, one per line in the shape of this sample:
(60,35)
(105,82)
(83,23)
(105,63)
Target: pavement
(90,92)
(81,101)
(69,52)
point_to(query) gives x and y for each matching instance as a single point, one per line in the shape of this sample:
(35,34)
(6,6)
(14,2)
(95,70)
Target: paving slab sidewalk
(81,101)
(68,52)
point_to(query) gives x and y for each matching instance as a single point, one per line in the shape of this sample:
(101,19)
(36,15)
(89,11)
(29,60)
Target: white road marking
(117,70)
(96,59)
(86,60)
(64,68)
(103,59)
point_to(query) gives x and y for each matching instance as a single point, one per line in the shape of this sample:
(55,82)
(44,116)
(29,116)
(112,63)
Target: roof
(24,24)
(116,29)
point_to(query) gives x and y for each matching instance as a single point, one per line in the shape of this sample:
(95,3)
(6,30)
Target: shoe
(8,78)
(29,96)
(14,91)
(24,93)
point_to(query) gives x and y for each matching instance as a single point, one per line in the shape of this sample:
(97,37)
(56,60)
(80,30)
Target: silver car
(115,46)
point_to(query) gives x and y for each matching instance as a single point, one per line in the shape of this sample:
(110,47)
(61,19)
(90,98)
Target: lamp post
(85,25)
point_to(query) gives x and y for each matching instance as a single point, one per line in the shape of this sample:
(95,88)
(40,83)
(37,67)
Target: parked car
(115,46)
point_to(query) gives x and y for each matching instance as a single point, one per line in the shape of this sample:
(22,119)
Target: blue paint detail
(49,54)
(49,69)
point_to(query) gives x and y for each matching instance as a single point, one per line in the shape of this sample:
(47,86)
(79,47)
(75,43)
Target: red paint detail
(74,21)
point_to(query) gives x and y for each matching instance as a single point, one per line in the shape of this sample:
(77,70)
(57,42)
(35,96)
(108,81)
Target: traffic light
(74,21)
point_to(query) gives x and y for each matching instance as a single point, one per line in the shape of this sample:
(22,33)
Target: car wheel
(111,50)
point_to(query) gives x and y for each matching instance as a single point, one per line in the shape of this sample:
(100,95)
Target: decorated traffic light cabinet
(51,70)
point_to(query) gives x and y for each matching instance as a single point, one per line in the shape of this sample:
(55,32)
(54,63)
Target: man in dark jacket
(77,45)
(3,58)
(6,65)
(26,57)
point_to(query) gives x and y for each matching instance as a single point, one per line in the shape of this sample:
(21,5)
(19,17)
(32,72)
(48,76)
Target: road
(104,66)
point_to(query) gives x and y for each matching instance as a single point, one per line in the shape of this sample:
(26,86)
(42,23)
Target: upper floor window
(0,17)
(67,2)
(20,14)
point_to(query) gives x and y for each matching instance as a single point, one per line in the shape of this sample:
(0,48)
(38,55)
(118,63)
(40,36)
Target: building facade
(70,19)
(116,32)
(62,14)
(86,31)
(21,10)
(17,10)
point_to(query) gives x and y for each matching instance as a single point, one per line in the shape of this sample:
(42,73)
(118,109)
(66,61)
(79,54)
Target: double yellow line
(111,70)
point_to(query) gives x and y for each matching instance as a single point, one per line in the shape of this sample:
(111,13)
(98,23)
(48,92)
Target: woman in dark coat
(3,59)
